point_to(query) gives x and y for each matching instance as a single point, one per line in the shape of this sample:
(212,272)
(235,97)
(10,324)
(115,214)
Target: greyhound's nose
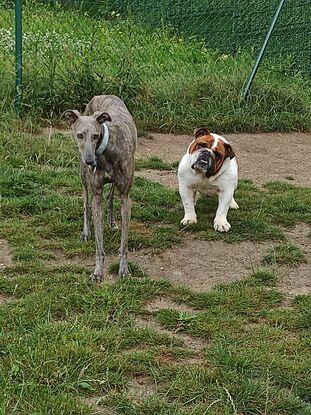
(91,162)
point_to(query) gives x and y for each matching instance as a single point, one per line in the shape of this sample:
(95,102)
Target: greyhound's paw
(189,221)
(221,224)
(85,236)
(234,205)
(124,272)
(96,277)
(113,226)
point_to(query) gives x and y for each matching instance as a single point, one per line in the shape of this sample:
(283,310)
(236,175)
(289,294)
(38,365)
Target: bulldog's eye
(80,135)
(202,145)
(217,154)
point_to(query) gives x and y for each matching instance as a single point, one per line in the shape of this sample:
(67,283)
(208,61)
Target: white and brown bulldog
(209,167)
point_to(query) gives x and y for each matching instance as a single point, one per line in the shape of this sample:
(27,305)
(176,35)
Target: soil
(297,280)
(5,254)
(261,157)
(200,265)
(194,344)
(92,402)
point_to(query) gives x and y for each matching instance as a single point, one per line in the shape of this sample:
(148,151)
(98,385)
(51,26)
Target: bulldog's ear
(71,116)
(198,132)
(101,117)
(229,151)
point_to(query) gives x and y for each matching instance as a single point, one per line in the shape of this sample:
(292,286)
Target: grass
(169,82)
(64,340)
(284,254)
(154,163)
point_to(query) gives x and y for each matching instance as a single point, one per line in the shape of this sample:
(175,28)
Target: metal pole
(18,55)
(262,51)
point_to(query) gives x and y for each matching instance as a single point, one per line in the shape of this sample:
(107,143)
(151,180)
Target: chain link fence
(141,49)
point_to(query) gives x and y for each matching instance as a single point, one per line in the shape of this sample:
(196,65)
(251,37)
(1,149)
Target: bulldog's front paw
(221,224)
(189,221)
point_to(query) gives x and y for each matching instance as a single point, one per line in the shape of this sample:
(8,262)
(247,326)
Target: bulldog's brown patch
(222,151)
(203,139)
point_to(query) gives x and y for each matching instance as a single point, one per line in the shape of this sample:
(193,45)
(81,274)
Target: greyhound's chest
(106,169)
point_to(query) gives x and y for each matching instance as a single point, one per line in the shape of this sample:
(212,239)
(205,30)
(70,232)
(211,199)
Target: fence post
(18,55)
(263,49)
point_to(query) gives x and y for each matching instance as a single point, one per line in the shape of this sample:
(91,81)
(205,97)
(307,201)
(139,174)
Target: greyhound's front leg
(97,212)
(111,219)
(125,218)
(86,233)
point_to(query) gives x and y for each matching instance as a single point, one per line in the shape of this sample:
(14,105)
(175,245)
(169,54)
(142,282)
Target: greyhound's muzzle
(204,163)
(91,162)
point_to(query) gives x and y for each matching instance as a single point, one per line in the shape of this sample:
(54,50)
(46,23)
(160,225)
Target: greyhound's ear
(71,115)
(198,132)
(101,117)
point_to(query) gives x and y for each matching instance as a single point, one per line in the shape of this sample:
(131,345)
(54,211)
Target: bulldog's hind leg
(188,197)
(233,204)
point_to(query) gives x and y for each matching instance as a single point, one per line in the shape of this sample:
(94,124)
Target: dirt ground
(261,157)
(5,254)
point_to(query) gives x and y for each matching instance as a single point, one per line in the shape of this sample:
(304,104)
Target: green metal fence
(73,49)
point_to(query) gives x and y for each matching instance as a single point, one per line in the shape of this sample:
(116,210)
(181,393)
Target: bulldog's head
(208,153)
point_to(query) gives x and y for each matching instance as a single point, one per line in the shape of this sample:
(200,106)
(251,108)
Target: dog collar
(102,147)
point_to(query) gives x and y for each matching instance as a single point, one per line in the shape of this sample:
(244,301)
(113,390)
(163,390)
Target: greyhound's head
(88,132)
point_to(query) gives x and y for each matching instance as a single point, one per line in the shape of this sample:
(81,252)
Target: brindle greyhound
(106,135)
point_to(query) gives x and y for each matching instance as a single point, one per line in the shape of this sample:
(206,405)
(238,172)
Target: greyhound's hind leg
(125,218)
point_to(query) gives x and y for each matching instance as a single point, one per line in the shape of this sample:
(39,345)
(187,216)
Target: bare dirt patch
(200,265)
(5,254)
(261,157)
(297,280)
(142,387)
(191,343)
(166,178)
(4,300)
(93,402)
(159,303)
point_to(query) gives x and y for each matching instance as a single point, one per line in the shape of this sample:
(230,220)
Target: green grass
(64,339)
(154,163)
(226,26)
(284,254)
(168,82)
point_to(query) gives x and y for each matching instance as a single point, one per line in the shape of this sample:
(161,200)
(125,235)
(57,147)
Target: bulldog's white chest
(205,187)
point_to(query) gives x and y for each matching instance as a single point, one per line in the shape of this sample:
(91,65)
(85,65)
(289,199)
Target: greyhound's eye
(95,136)
(80,135)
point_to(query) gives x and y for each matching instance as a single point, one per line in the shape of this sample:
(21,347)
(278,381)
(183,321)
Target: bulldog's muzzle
(205,163)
